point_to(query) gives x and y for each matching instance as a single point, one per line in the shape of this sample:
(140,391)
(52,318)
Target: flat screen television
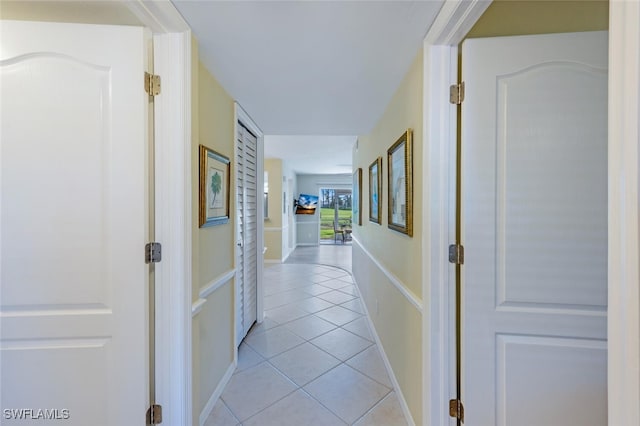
(306,204)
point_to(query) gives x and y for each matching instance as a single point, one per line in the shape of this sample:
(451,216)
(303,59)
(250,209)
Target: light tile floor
(313,361)
(325,254)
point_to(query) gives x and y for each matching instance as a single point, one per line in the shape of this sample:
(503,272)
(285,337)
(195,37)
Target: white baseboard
(387,364)
(208,408)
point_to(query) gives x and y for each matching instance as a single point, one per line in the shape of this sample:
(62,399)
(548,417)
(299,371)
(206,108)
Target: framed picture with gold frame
(215,173)
(375,191)
(400,188)
(356,198)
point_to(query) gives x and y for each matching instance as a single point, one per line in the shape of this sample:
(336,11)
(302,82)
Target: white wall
(289,185)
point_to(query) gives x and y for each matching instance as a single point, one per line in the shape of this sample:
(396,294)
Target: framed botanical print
(375,190)
(215,173)
(400,179)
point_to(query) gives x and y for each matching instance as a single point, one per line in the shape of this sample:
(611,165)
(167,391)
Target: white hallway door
(534,228)
(247,231)
(73,224)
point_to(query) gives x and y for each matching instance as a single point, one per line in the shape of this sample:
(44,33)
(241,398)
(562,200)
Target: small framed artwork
(215,172)
(356,202)
(375,190)
(400,178)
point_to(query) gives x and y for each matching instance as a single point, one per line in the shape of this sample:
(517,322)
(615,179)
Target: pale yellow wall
(273,224)
(402,255)
(216,342)
(273,166)
(510,17)
(216,243)
(213,247)
(397,321)
(273,243)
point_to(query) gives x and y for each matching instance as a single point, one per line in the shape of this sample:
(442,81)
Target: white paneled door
(73,224)
(247,231)
(534,228)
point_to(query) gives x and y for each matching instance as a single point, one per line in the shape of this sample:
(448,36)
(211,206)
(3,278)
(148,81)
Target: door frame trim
(439,123)
(173,194)
(624,210)
(334,186)
(240,115)
(440,70)
(172,57)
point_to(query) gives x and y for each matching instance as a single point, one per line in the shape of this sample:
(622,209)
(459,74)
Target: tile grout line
(373,407)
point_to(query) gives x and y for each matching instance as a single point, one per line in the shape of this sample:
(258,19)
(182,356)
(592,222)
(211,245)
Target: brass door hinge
(456,254)
(154,415)
(456,409)
(456,93)
(151,84)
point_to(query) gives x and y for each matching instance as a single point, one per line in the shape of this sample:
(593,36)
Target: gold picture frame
(400,188)
(215,174)
(356,199)
(375,191)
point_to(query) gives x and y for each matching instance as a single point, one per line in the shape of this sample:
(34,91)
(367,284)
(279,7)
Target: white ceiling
(310,67)
(312,155)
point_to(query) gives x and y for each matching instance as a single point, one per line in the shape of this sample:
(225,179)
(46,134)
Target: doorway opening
(579,349)
(335,216)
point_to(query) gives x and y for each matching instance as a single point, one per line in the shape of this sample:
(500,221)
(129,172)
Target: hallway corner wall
(273,222)
(387,265)
(278,223)
(212,247)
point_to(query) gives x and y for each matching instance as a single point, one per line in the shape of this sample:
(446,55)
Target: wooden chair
(337,231)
